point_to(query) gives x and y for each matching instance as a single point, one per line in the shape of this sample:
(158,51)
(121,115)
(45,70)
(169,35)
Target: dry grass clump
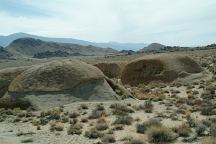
(83,106)
(108,138)
(75,129)
(93,134)
(74,115)
(118,127)
(84,120)
(100,107)
(53,114)
(121,109)
(98,112)
(160,134)
(147,106)
(183,130)
(56,126)
(11,103)
(102,124)
(124,120)
(141,128)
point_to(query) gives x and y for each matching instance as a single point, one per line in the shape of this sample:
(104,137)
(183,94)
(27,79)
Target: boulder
(162,67)
(61,82)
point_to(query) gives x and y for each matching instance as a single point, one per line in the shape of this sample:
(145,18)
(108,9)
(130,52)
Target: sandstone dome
(111,69)
(161,67)
(61,82)
(7,75)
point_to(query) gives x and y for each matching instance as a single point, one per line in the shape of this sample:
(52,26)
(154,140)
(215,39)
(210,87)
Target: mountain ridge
(6,40)
(30,47)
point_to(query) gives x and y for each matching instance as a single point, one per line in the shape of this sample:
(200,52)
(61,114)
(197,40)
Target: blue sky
(170,22)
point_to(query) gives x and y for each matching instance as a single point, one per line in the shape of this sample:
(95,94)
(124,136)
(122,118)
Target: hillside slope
(4,54)
(153,47)
(30,47)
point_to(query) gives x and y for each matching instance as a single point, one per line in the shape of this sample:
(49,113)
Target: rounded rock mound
(162,67)
(61,82)
(111,69)
(7,75)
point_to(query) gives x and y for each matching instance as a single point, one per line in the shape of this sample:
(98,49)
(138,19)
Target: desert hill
(153,47)
(4,54)
(30,47)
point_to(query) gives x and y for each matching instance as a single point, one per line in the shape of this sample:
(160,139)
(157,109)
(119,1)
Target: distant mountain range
(29,47)
(6,40)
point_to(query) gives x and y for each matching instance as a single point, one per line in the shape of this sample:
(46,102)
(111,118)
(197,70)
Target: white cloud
(173,22)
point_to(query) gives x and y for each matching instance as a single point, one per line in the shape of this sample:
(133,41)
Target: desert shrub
(97,114)
(207,110)
(183,130)
(147,106)
(43,121)
(74,115)
(53,114)
(64,119)
(200,129)
(11,103)
(93,134)
(191,122)
(56,126)
(160,134)
(118,127)
(102,126)
(84,120)
(100,107)
(207,122)
(141,128)
(108,139)
(83,106)
(121,109)
(213,130)
(125,120)
(195,92)
(38,127)
(75,129)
